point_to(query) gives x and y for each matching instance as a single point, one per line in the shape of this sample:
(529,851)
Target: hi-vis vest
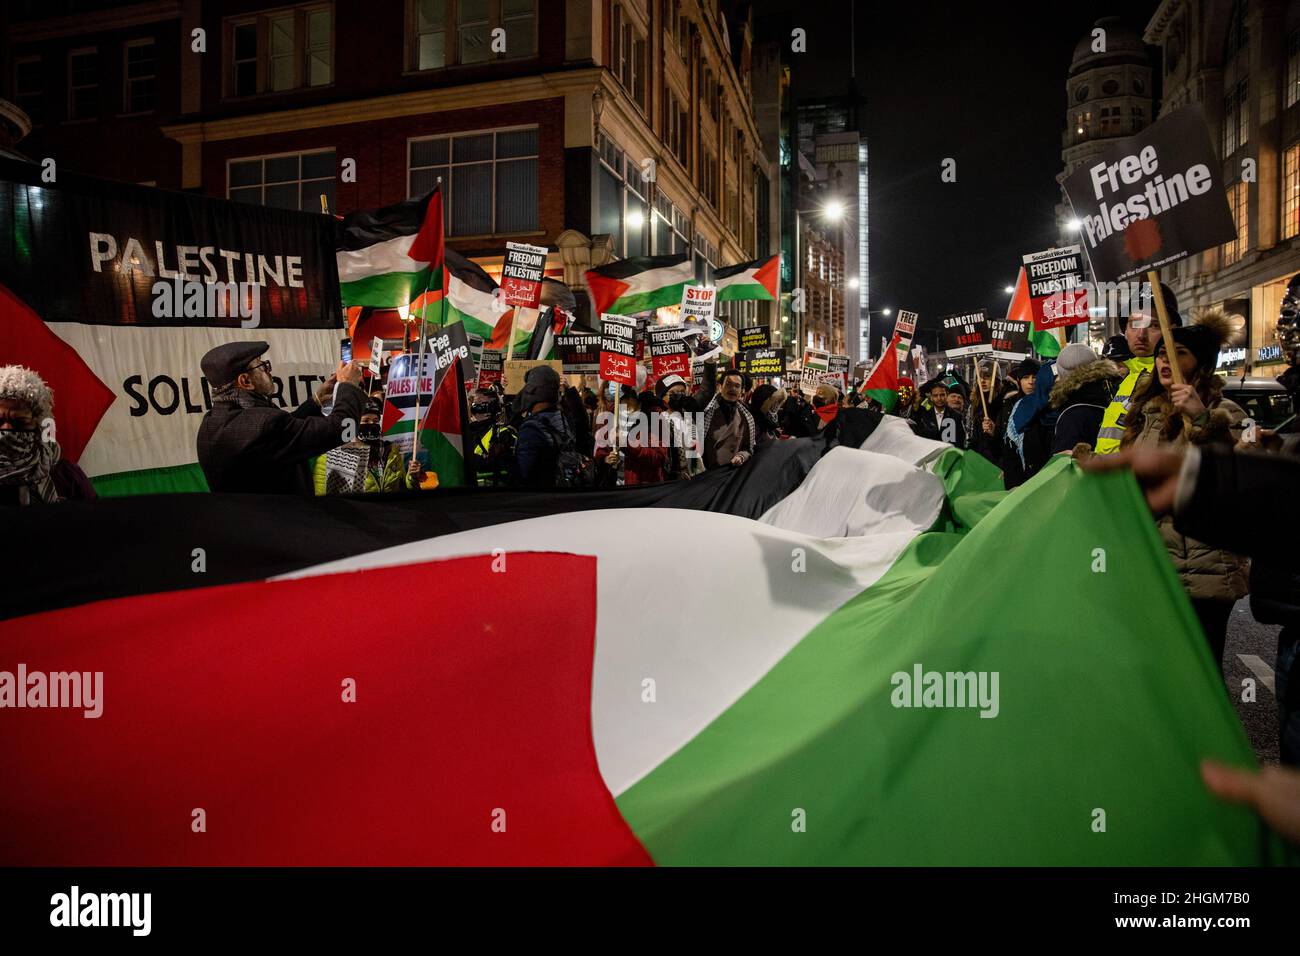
(1115,420)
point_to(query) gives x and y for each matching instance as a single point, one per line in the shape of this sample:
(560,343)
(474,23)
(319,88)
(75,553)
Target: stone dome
(1123,45)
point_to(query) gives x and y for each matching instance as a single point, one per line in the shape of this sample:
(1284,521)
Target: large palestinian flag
(89,271)
(882,383)
(749,280)
(859,674)
(390,256)
(639,284)
(470,296)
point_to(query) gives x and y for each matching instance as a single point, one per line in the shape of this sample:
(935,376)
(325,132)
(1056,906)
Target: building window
(629,56)
(1237,33)
(1236,115)
(286,181)
(1291,192)
(489,179)
(29,92)
(471,23)
(676,128)
(670,231)
(140,76)
(285,49)
(622,210)
(1292,69)
(1237,199)
(83,83)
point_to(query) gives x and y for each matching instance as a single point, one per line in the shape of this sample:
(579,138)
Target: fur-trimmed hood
(1071,382)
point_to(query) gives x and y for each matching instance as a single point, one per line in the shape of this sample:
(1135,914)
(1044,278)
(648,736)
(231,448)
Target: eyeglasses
(253,368)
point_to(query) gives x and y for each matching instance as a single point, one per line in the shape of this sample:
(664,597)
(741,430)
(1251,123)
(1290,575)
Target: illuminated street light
(833,210)
(635,219)
(853,283)
(887,312)
(1009,289)
(1074,225)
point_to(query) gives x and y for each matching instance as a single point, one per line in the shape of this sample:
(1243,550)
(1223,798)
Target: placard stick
(1167,335)
(994,378)
(980,388)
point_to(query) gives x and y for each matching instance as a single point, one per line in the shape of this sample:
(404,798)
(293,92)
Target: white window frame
(79,51)
(448,220)
(451,28)
(261,22)
(300,153)
(127,79)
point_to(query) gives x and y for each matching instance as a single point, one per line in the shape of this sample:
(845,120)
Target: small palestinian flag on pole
(882,383)
(749,280)
(390,257)
(639,284)
(471,298)
(1045,341)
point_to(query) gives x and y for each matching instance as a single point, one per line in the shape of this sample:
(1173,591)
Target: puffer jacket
(1206,572)
(1081,396)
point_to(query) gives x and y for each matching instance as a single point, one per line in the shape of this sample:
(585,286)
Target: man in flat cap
(248,444)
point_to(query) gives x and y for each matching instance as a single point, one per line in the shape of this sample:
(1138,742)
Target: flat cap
(222,365)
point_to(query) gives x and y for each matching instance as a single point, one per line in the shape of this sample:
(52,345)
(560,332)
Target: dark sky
(983,83)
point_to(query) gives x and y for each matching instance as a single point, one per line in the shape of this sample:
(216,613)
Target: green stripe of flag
(1107,702)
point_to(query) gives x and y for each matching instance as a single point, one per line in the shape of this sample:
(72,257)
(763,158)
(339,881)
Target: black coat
(927,426)
(247,444)
(1246,502)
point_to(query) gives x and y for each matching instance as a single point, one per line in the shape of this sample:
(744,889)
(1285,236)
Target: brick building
(600,128)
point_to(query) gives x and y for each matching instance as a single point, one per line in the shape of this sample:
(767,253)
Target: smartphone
(345,350)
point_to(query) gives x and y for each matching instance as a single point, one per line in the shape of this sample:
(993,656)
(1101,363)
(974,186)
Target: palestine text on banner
(618,349)
(129,392)
(1151,199)
(639,284)
(1056,287)
(521,274)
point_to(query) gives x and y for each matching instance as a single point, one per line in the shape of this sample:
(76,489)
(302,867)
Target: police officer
(1141,336)
(248,444)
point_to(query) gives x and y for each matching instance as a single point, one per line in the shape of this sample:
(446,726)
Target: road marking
(1263,673)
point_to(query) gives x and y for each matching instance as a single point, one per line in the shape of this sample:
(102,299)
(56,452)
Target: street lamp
(1074,225)
(1009,290)
(853,283)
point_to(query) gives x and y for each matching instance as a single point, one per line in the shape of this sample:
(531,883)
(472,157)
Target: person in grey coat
(247,444)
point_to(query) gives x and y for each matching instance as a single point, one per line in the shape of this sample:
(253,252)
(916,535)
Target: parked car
(1263,399)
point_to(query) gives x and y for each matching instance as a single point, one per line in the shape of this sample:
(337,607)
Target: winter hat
(767,399)
(541,384)
(1203,339)
(668,381)
(1027,367)
(829,394)
(1073,356)
(23,385)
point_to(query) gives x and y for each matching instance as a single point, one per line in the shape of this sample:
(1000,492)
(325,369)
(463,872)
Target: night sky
(983,83)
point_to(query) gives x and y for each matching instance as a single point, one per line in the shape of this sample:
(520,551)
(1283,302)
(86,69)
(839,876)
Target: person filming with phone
(247,444)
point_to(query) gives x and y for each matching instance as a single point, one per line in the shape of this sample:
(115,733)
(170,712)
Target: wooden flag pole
(1167,335)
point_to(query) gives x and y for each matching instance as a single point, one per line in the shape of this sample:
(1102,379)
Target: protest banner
(516,370)
(1008,339)
(816,363)
(491,367)
(905,328)
(1151,199)
(965,333)
(618,349)
(476,344)
(698,324)
(113,293)
(837,372)
(521,274)
(762,363)
(424,408)
(668,352)
(1057,293)
(759,337)
(580,353)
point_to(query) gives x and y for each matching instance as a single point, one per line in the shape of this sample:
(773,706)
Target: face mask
(369,432)
(18,446)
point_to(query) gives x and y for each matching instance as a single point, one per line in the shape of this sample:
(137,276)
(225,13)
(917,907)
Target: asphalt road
(1251,653)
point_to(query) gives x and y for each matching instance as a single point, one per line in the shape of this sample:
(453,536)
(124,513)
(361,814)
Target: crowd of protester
(1133,405)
